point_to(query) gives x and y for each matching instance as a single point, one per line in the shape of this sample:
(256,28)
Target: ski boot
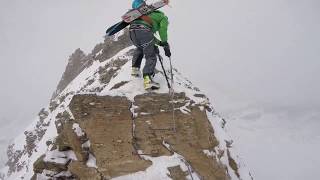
(149,84)
(135,72)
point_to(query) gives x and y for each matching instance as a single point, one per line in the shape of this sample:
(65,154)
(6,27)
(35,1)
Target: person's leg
(137,55)
(151,60)
(147,44)
(137,58)
(145,41)
(149,69)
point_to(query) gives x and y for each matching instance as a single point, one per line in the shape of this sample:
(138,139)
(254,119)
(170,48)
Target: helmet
(137,3)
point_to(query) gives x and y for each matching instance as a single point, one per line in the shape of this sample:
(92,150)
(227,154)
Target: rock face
(101,124)
(108,124)
(193,135)
(119,131)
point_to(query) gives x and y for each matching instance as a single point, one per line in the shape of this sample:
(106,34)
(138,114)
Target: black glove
(166,48)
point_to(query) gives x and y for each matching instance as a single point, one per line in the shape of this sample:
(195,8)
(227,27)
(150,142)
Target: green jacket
(159,24)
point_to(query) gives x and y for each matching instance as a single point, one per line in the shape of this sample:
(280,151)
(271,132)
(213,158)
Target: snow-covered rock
(101,123)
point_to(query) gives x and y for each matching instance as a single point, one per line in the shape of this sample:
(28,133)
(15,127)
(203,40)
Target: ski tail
(116,28)
(134,14)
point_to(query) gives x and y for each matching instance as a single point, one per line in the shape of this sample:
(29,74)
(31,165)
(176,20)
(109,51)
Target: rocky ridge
(101,124)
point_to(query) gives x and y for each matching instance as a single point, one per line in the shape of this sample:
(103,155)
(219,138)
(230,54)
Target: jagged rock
(194,133)
(79,60)
(233,164)
(118,85)
(176,173)
(81,171)
(41,165)
(13,159)
(109,71)
(76,64)
(31,138)
(48,143)
(111,46)
(61,119)
(43,114)
(62,142)
(30,142)
(41,127)
(200,95)
(68,140)
(53,105)
(64,175)
(106,120)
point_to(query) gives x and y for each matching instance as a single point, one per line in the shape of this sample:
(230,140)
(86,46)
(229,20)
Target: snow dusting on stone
(77,130)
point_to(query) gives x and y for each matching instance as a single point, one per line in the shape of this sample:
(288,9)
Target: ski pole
(172,97)
(171,70)
(172,81)
(164,71)
(171,91)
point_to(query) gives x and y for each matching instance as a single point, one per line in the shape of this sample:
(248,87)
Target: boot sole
(152,88)
(135,75)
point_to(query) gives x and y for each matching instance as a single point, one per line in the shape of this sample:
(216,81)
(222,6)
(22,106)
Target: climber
(142,33)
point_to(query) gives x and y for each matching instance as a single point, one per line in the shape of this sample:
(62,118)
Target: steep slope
(104,125)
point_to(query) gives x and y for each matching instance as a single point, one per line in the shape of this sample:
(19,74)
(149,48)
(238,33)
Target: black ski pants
(144,40)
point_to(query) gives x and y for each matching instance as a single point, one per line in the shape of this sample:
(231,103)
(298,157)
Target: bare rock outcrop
(194,134)
(115,133)
(76,64)
(111,46)
(79,60)
(108,124)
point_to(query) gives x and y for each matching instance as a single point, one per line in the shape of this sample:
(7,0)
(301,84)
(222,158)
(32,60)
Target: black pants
(143,39)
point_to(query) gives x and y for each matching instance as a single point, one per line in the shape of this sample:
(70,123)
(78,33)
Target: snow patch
(87,144)
(184,108)
(92,161)
(144,114)
(209,153)
(59,157)
(218,123)
(76,128)
(159,170)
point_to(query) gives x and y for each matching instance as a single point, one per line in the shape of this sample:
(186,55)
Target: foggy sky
(264,51)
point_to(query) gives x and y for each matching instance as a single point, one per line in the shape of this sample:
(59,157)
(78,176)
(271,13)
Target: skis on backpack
(134,14)
(116,28)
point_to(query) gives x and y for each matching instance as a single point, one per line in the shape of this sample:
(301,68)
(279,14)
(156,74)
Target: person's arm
(162,24)
(163,31)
